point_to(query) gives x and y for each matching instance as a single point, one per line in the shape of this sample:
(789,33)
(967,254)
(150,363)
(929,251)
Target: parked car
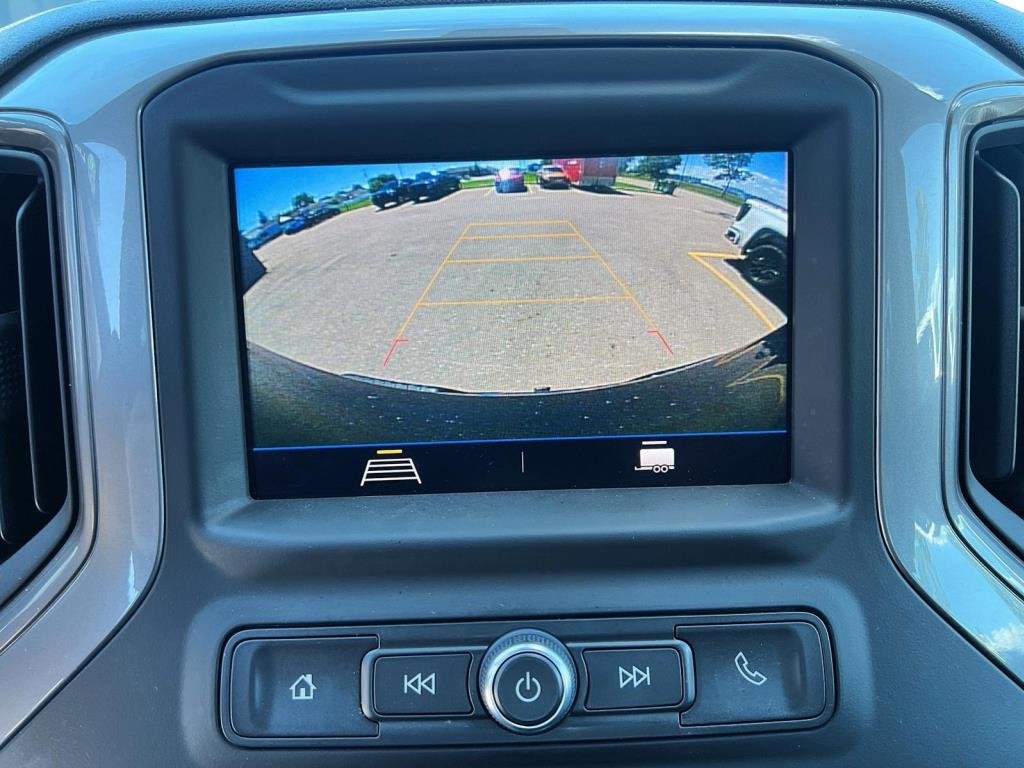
(761,230)
(295,224)
(393,193)
(431,185)
(263,234)
(552,176)
(510,180)
(317,213)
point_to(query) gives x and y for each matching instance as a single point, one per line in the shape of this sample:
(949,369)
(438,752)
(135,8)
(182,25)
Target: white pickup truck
(761,231)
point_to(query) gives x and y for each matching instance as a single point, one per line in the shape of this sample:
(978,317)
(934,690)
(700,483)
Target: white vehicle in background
(761,231)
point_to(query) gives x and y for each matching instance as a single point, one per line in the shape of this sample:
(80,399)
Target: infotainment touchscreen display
(502,324)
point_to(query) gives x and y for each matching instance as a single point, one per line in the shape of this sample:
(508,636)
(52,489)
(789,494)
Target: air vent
(34,469)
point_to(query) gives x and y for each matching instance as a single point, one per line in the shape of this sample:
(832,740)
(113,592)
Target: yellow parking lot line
(494,302)
(716,255)
(521,258)
(778,378)
(517,237)
(735,289)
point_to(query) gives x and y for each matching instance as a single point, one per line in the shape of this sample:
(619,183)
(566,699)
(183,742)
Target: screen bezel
(267,481)
(231,114)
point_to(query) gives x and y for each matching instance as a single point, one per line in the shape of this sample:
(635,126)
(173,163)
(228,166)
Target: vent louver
(34,472)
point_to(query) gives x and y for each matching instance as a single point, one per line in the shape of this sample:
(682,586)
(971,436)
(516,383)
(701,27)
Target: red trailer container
(590,171)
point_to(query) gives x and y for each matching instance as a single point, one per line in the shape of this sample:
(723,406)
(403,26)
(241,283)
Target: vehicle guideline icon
(656,456)
(394,467)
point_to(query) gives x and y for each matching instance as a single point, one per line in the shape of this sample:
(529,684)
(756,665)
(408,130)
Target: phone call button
(750,673)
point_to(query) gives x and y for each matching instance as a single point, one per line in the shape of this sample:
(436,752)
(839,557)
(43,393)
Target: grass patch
(627,187)
(732,197)
(715,194)
(356,205)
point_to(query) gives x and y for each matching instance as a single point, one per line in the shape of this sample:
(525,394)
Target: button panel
(634,678)
(425,684)
(450,684)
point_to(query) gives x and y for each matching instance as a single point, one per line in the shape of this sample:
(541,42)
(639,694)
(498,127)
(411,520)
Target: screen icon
(419,683)
(394,467)
(752,676)
(303,689)
(656,456)
(635,676)
(528,688)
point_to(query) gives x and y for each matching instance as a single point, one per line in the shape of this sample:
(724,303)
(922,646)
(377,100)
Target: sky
(270,190)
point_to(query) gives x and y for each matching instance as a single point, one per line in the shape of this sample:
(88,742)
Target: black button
(428,684)
(299,688)
(528,689)
(748,673)
(634,678)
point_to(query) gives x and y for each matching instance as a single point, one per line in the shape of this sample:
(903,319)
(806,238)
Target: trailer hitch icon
(656,456)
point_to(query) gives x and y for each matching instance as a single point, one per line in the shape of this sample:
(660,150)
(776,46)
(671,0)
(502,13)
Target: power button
(528,689)
(528,681)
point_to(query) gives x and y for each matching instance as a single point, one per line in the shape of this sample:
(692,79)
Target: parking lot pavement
(514,292)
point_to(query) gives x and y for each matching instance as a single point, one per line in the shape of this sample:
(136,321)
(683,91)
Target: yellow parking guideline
(513,259)
(389,451)
(695,255)
(517,223)
(625,289)
(494,302)
(430,284)
(518,237)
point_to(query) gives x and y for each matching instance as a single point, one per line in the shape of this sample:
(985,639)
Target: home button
(301,687)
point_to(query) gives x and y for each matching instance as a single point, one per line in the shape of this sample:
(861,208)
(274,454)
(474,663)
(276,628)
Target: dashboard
(512,384)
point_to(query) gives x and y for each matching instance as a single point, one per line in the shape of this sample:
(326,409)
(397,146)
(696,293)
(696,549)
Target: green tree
(730,167)
(380,180)
(657,166)
(301,199)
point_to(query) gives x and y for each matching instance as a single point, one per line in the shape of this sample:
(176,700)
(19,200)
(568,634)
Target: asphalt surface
(510,293)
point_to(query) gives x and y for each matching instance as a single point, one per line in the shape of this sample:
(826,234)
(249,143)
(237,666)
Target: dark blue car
(294,225)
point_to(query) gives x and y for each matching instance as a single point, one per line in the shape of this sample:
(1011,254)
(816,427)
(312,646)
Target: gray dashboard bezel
(924,98)
(196,130)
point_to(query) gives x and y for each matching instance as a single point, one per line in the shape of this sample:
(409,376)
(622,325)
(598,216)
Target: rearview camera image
(628,303)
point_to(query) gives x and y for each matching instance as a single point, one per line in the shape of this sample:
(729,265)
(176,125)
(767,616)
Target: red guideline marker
(657,333)
(391,351)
